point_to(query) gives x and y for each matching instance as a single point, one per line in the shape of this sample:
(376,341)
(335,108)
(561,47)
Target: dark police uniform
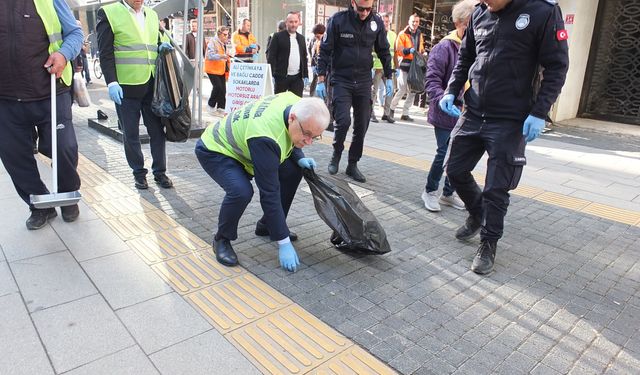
(346,47)
(500,55)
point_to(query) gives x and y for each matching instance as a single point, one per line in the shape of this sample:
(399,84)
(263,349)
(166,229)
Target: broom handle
(54,135)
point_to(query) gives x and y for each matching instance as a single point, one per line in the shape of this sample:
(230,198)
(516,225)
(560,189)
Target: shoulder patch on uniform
(373,25)
(523,21)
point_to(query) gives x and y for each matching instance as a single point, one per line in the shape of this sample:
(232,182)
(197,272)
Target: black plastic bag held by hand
(417,70)
(170,98)
(355,228)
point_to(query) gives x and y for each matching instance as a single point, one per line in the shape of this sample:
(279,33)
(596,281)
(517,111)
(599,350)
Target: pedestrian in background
(409,41)
(190,47)
(346,47)
(125,29)
(314,52)
(216,64)
(39,40)
(288,58)
(505,44)
(378,74)
(245,43)
(280,26)
(266,143)
(442,60)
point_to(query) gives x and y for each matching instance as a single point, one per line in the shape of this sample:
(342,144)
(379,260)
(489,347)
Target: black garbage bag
(355,228)
(417,70)
(171,98)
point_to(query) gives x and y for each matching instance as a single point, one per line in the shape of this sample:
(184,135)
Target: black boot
(353,172)
(333,164)
(373,117)
(470,228)
(485,257)
(70,213)
(262,230)
(224,252)
(40,217)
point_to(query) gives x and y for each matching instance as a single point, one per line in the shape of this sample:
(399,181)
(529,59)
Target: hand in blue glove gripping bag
(115,93)
(532,127)
(164,46)
(321,90)
(288,257)
(307,163)
(447,106)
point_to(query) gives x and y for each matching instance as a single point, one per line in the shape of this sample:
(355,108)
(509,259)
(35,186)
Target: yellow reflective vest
(262,118)
(135,49)
(52,25)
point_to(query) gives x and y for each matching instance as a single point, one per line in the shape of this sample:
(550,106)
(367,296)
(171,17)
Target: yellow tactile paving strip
(556,199)
(277,335)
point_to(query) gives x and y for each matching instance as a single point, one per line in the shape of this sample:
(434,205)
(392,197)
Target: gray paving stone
(87,239)
(50,280)
(207,353)
(80,332)
(129,361)
(124,279)
(162,322)
(7,284)
(22,351)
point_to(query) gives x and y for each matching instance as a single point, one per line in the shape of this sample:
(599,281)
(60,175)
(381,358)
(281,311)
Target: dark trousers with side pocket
(505,146)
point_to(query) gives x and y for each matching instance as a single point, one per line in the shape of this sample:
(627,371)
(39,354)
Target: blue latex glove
(115,93)
(164,46)
(288,257)
(307,163)
(321,90)
(389,87)
(412,50)
(306,81)
(255,57)
(447,106)
(253,46)
(532,127)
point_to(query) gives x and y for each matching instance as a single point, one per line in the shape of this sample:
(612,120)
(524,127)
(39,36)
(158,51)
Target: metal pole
(199,42)
(184,24)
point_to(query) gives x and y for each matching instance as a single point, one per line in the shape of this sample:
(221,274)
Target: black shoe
(224,252)
(388,119)
(353,172)
(141,182)
(374,119)
(70,213)
(406,118)
(470,228)
(333,164)
(262,230)
(163,181)
(485,257)
(40,217)
(330,128)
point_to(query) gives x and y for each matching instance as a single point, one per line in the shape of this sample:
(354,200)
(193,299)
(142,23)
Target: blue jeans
(435,173)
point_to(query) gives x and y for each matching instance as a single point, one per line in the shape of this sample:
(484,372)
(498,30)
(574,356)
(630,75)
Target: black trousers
(236,183)
(347,95)
(504,143)
(16,144)
(218,91)
(129,115)
(295,84)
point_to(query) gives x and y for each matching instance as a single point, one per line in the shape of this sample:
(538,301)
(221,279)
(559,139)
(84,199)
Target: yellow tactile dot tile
(562,200)
(528,191)
(96,179)
(613,213)
(113,208)
(412,162)
(133,226)
(289,341)
(353,361)
(194,271)
(86,168)
(169,244)
(105,192)
(237,302)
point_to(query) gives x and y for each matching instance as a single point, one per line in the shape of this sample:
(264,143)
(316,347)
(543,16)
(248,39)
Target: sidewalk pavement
(90,297)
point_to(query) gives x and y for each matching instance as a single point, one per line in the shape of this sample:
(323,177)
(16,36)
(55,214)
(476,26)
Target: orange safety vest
(217,67)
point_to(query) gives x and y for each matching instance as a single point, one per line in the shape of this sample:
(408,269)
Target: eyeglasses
(363,9)
(307,134)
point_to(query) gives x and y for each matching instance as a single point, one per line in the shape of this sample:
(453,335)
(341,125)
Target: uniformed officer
(37,38)
(129,39)
(506,43)
(346,46)
(262,139)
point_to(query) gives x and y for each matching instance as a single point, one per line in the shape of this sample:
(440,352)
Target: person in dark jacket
(442,59)
(504,46)
(280,26)
(287,56)
(190,47)
(314,51)
(346,46)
